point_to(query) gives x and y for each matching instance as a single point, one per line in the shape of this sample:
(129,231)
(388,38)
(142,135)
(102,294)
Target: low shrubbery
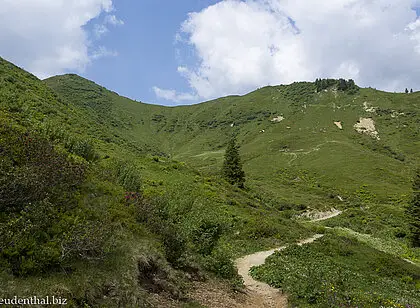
(43,226)
(341,272)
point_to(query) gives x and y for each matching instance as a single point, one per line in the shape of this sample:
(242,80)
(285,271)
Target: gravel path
(259,293)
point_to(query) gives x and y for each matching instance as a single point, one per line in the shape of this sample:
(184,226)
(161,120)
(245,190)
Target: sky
(188,51)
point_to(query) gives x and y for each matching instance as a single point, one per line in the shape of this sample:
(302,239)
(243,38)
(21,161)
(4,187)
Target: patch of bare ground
(213,293)
(318,216)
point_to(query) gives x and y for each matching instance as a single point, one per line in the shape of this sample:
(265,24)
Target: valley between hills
(111,202)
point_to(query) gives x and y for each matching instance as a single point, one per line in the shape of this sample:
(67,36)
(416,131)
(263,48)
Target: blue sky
(146,48)
(189,51)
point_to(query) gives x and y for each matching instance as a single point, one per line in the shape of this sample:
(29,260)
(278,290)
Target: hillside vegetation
(287,135)
(93,185)
(105,221)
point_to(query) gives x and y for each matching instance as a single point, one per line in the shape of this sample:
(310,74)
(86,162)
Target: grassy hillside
(304,154)
(295,157)
(85,199)
(135,188)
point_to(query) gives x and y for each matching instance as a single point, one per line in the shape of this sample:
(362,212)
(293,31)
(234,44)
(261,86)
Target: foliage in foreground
(413,212)
(341,272)
(43,225)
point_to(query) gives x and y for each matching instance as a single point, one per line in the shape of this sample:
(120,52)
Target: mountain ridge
(188,132)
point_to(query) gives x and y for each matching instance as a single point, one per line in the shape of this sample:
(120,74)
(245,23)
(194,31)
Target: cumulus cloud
(241,45)
(100,29)
(48,37)
(113,20)
(102,52)
(174,96)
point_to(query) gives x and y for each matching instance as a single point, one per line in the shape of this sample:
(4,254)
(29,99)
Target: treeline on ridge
(341,84)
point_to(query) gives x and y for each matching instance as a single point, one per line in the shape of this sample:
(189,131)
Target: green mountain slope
(84,199)
(136,188)
(304,153)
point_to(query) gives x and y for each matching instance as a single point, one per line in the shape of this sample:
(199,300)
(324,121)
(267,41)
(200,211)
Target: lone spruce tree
(232,166)
(413,212)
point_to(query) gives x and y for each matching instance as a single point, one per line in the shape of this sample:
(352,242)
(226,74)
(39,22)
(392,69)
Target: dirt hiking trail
(325,215)
(260,294)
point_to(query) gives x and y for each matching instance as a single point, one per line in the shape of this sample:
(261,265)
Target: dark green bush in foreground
(42,225)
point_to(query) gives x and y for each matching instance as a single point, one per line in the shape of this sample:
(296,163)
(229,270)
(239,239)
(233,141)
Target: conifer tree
(232,166)
(413,212)
(342,84)
(323,84)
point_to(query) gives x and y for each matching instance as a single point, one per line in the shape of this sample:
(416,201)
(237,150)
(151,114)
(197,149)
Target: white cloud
(102,52)
(113,20)
(241,45)
(100,30)
(48,37)
(174,96)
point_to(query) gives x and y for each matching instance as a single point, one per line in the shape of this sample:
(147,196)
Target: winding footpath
(260,294)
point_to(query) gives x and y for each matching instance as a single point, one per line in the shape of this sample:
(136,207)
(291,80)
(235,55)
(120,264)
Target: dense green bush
(153,212)
(42,226)
(31,171)
(220,262)
(206,236)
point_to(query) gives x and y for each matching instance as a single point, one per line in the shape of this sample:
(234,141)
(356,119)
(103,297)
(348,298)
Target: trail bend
(260,294)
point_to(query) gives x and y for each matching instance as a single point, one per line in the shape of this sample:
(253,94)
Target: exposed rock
(369,109)
(366,126)
(277,119)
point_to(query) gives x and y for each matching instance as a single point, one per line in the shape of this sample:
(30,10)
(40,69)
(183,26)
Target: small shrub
(220,262)
(262,229)
(82,147)
(173,242)
(206,236)
(400,233)
(128,176)
(153,213)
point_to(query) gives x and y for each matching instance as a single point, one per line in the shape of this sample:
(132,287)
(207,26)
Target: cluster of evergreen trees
(341,84)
